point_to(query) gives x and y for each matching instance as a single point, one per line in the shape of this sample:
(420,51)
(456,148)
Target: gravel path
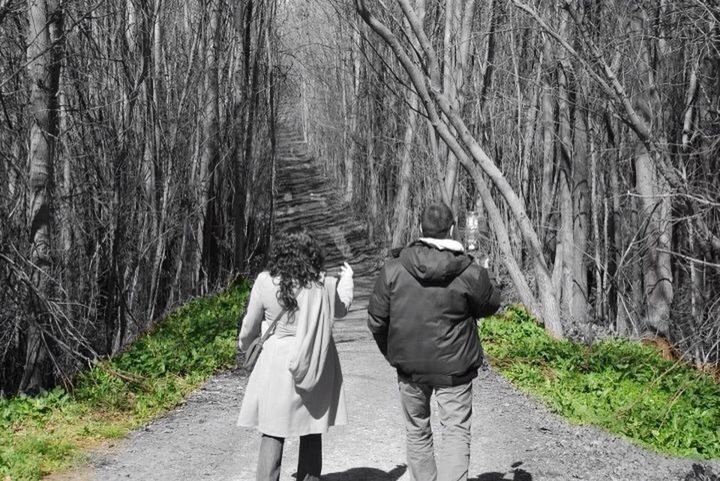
(514,437)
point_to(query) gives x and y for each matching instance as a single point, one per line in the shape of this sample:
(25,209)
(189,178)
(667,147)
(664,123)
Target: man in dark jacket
(423,313)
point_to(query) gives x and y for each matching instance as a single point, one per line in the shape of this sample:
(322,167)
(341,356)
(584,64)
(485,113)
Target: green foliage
(622,386)
(42,434)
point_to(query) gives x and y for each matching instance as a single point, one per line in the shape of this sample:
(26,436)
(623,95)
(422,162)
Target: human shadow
(517,475)
(367,474)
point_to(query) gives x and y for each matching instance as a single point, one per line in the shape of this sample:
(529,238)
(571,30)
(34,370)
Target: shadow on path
(517,475)
(367,474)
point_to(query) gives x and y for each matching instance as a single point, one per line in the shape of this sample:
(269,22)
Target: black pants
(309,458)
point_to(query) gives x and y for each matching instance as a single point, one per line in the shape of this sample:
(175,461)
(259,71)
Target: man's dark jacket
(422,313)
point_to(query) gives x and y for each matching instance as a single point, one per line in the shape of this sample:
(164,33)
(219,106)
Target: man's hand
(483,261)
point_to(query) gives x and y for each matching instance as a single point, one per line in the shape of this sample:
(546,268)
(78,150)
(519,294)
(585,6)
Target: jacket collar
(443,244)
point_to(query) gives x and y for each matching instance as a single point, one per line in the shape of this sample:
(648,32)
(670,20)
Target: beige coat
(296,386)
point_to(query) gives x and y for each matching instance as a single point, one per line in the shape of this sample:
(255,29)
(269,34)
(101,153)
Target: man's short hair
(437,220)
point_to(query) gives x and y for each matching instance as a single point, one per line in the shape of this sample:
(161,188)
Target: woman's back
(265,305)
(296,386)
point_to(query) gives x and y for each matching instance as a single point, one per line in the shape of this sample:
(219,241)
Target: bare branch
(608,81)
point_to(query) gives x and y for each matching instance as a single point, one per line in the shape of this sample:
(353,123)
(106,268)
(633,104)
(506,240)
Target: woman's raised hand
(346,270)
(344,289)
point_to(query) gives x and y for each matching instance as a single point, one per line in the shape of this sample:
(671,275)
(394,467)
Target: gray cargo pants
(455,413)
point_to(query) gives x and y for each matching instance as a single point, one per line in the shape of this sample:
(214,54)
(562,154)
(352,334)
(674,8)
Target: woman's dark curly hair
(295,257)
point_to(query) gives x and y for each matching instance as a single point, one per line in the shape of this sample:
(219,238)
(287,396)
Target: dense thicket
(136,154)
(586,133)
(135,159)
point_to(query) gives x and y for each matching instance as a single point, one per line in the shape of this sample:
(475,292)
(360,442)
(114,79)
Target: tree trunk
(653,188)
(580,308)
(499,229)
(66,229)
(210,136)
(548,166)
(614,239)
(657,271)
(373,173)
(241,167)
(402,208)
(458,29)
(44,54)
(565,249)
(599,270)
(162,204)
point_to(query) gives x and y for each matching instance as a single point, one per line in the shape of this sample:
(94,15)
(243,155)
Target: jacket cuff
(381,341)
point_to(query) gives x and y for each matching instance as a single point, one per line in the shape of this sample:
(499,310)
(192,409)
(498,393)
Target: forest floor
(514,437)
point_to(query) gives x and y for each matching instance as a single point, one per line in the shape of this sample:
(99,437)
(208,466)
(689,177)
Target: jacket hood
(428,263)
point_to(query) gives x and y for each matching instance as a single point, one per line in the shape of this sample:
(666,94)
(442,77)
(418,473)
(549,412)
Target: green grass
(622,386)
(619,385)
(44,434)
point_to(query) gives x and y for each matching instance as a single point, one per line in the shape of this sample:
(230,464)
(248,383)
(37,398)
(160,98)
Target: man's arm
(381,336)
(485,296)
(379,312)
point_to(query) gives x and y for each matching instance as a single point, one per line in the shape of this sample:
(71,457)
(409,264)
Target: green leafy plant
(620,385)
(43,434)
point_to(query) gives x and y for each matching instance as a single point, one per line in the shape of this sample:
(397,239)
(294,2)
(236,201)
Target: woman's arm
(344,291)
(254,314)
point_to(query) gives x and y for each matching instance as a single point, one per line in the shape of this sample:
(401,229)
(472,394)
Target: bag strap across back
(272,327)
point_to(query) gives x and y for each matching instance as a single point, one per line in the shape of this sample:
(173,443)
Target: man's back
(423,310)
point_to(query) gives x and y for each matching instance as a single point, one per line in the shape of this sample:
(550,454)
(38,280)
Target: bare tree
(140,111)
(425,78)
(44,53)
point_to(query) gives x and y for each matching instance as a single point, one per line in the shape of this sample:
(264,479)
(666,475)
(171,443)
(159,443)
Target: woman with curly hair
(296,387)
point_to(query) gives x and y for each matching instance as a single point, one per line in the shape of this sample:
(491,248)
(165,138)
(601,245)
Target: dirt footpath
(514,437)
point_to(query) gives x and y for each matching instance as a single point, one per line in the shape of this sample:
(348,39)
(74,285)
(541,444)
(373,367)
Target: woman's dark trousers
(309,458)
